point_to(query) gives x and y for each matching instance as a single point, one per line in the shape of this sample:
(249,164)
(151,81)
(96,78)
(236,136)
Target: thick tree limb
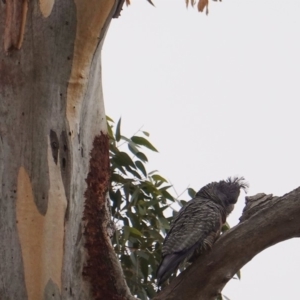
(266,221)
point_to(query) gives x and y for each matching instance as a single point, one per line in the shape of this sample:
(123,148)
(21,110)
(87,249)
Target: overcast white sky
(219,95)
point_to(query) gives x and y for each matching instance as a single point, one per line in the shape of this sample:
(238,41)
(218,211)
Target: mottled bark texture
(54,168)
(266,220)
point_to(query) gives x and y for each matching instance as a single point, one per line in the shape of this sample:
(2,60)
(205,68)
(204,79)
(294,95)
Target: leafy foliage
(139,200)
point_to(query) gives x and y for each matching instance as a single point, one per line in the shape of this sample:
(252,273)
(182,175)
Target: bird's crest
(225,190)
(239,182)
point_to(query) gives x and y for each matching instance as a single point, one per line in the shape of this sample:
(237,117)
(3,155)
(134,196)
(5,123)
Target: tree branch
(118,9)
(266,221)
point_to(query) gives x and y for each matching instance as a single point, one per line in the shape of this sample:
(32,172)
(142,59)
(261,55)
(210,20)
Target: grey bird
(198,224)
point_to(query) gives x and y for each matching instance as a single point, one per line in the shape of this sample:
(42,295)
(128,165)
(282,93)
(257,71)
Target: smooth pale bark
(54,163)
(266,221)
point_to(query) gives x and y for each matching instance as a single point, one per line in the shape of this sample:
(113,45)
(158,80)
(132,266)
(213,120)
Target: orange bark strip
(16,12)
(23,23)
(8,25)
(41,237)
(46,7)
(30,224)
(98,270)
(91,18)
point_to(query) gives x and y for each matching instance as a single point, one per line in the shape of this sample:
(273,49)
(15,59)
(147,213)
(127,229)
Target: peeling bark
(16,13)
(97,219)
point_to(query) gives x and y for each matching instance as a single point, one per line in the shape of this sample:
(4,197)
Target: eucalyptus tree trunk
(54,163)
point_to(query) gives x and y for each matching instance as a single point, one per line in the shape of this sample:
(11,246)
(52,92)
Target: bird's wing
(197,225)
(194,224)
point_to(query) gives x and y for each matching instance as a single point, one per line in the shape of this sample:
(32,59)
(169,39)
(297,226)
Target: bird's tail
(168,265)
(171,262)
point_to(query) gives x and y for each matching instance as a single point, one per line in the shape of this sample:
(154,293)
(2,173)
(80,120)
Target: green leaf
(182,202)
(126,191)
(164,188)
(135,231)
(125,220)
(225,227)
(133,259)
(150,291)
(148,187)
(109,119)
(164,207)
(116,166)
(110,132)
(192,193)
(144,265)
(144,142)
(158,178)
(133,172)
(117,178)
(141,210)
(152,172)
(141,156)
(156,235)
(167,195)
(123,159)
(116,198)
(118,131)
(164,223)
(151,2)
(133,148)
(135,196)
(125,138)
(113,147)
(152,202)
(146,133)
(141,167)
(126,234)
(158,183)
